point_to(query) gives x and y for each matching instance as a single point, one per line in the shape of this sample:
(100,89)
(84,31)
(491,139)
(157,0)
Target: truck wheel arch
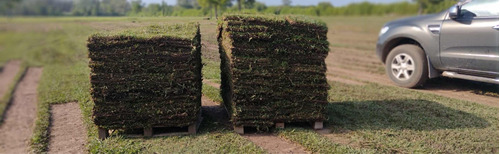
(396,42)
(432,72)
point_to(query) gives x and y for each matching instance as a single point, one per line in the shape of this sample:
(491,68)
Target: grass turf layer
(273,69)
(146,77)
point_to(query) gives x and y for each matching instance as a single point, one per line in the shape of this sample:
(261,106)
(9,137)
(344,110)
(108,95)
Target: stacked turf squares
(273,69)
(146,77)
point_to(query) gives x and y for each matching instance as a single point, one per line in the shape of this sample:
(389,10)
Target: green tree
(136,7)
(324,5)
(325,8)
(443,5)
(8,5)
(239,4)
(152,10)
(249,4)
(287,2)
(424,4)
(114,7)
(188,4)
(86,8)
(215,4)
(260,7)
(163,8)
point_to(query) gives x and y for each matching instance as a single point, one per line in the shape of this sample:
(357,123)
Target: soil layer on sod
(146,77)
(273,69)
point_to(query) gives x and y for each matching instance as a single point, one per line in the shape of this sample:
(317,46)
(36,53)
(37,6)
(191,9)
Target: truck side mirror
(454,12)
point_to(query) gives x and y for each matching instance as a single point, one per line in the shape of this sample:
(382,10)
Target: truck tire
(406,65)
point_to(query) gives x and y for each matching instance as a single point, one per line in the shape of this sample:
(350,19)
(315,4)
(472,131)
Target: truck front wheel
(406,66)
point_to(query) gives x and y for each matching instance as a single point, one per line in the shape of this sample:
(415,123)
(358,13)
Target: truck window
(481,8)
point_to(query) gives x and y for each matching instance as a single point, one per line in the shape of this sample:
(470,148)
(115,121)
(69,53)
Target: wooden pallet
(148,132)
(317,125)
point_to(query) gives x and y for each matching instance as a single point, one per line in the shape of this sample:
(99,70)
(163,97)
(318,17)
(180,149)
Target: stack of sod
(146,77)
(273,69)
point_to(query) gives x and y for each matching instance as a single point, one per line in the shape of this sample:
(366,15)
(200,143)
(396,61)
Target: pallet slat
(149,132)
(317,125)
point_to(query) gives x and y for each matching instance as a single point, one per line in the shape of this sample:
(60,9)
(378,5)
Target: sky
(295,2)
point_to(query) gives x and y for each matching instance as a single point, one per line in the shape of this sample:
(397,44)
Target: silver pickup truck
(461,42)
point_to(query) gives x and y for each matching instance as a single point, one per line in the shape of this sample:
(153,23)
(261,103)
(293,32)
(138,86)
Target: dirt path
(210,83)
(453,88)
(207,102)
(210,50)
(20,115)
(67,133)
(7,75)
(344,80)
(269,142)
(273,144)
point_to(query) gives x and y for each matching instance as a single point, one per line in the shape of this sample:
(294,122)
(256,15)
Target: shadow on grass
(400,114)
(478,88)
(215,118)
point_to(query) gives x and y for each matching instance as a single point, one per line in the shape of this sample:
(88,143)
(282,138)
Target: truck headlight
(383,30)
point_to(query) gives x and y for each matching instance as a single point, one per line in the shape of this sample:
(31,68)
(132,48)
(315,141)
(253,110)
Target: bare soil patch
(210,83)
(207,102)
(20,115)
(210,51)
(67,132)
(274,144)
(7,75)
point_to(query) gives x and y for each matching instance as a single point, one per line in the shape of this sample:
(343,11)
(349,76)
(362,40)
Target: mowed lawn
(369,118)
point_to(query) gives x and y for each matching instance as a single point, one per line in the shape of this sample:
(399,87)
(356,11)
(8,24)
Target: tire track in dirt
(19,120)
(446,88)
(67,132)
(7,75)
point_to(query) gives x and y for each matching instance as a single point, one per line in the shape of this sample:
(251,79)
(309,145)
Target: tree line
(209,8)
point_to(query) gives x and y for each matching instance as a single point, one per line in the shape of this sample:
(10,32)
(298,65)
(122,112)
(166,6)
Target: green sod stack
(146,77)
(273,69)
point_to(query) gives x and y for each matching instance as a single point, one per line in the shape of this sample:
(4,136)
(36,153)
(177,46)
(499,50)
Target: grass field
(369,118)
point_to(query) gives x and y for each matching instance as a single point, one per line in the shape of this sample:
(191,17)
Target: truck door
(469,43)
